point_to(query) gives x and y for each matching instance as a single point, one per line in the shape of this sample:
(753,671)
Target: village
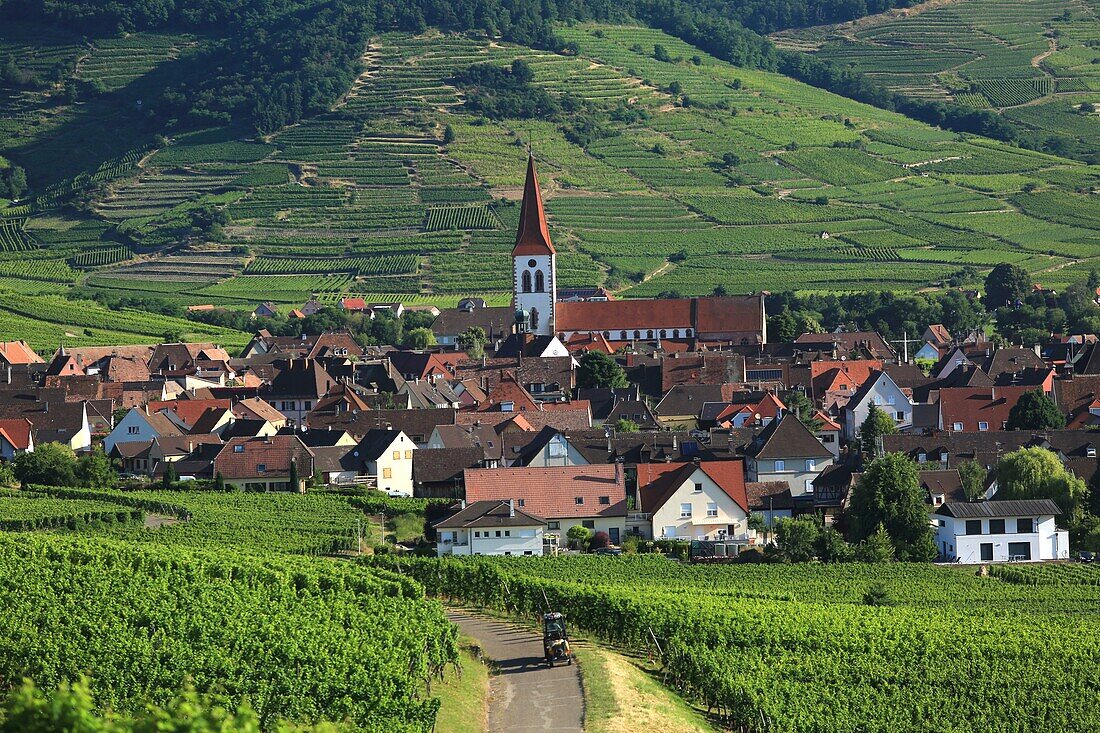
(572,419)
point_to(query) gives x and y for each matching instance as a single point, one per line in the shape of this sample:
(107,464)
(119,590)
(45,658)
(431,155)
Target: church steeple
(533,236)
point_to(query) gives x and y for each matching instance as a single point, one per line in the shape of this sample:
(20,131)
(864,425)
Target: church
(735,320)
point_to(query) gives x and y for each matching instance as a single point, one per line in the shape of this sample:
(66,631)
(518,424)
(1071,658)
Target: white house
(1000,531)
(16,436)
(493,527)
(704,500)
(388,456)
(139,426)
(882,392)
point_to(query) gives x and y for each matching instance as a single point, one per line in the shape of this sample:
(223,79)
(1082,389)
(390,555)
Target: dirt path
(524,694)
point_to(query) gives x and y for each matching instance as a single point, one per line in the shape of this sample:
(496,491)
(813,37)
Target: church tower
(534,276)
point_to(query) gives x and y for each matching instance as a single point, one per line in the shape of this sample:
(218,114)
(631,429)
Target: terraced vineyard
(738,179)
(981,53)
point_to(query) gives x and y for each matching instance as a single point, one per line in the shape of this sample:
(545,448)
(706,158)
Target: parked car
(607,551)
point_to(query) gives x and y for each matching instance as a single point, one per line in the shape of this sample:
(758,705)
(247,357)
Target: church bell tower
(534,262)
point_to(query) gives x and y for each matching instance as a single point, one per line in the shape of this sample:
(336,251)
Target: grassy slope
(464,698)
(905,205)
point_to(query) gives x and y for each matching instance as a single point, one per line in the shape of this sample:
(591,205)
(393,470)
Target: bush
(578,535)
(877,595)
(599,539)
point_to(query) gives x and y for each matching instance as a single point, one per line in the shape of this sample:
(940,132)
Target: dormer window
(922,457)
(508,406)
(1091,451)
(238,449)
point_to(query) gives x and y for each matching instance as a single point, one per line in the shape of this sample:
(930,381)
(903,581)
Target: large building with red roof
(738,320)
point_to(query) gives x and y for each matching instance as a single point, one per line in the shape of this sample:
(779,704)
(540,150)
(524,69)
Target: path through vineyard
(524,694)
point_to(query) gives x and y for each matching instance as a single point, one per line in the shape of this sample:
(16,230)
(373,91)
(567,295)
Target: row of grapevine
(13,238)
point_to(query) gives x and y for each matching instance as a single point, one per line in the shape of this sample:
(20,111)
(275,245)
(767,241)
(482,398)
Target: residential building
(264,464)
(787,451)
(386,455)
(1000,531)
(16,436)
(590,496)
(698,500)
(883,392)
(140,426)
(491,527)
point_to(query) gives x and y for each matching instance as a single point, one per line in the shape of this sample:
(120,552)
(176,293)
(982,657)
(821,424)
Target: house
(451,323)
(852,345)
(771,500)
(15,353)
(438,472)
(787,451)
(979,409)
(883,392)
(698,500)
(296,387)
(1000,531)
(549,447)
(265,464)
(832,491)
(353,305)
(140,426)
(491,527)
(943,487)
(829,433)
(265,310)
(335,464)
(16,436)
(683,404)
(590,496)
(253,408)
(386,455)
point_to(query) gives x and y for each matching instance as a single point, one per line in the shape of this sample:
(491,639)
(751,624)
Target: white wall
(795,472)
(133,420)
(397,460)
(699,525)
(542,302)
(512,540)
(1047,542)
(601,524)
(884,390)
(564,454)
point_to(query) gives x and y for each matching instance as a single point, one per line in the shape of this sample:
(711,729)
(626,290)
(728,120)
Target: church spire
(533,236)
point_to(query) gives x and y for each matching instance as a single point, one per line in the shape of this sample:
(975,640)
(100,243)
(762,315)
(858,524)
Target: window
(476,533)
(698,487)
(891,400)
(589,524)
(780,465)
(238,449)
(878,401)
(1025,525)
(507,533)
(520,502)
(1019,550)
(553,525)
(712,509)
(973,526)
(507,406)
(957,427)
(557,448)
(397,455)
(307,405)
(261,467)
(685,511)
(987,551)
(387,473)
(528,552)
(408,454)
(578,500)
(899,416)
(133,430)
(811,464)
(664,334)
(922,457)
(606,500)
(498,533)
(996,526)
(983,426)
(675,333)
(540,282)
(637,334)
(525,280)
(649,334)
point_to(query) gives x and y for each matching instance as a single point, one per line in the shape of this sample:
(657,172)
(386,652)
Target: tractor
(555,639)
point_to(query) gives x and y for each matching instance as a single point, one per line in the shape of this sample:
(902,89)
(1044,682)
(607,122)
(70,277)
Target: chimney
(511,507)
(618,472)
(462,504)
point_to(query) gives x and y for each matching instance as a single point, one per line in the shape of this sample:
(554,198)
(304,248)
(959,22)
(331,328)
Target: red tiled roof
(189,411)
(552,492)
(18,352)
(17,432)
(729,314)
(274,453)
(971,405)
(353,304)
(633,313)
(533,235)
(728,475)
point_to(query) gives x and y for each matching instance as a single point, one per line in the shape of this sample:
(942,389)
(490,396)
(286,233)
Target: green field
(1036,60)
(795,646)
(369,199)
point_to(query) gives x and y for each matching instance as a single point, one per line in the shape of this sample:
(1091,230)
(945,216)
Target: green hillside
(665,169)
(1037,61)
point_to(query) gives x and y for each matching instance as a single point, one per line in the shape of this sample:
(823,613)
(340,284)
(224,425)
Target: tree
(474,339)
(448,135)
(1005,284)
(783,327)
(7,476)
(599,539)
(799,405)
(973,476)
(622,425)
(877,595)
(877,548)
(797,538)
(219,481)
(597,369)
(419,338)
(831,546)
(1035,411)
(1037,473)
(876,425)
(53,464)
(578,535)
(171,475)
(294,480)
(95,470)
(889,495)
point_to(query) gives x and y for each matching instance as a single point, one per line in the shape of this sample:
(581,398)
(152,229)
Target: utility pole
(359,534)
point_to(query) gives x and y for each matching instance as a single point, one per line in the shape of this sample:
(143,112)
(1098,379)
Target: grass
(464,697)
(623,695)
(405,528)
